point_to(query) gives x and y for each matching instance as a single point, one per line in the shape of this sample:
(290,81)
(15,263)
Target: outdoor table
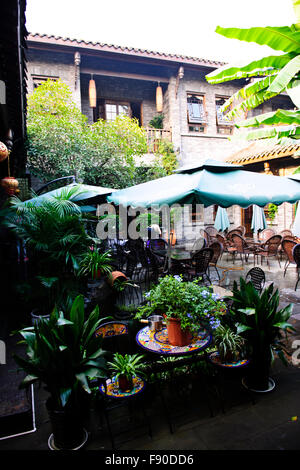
(120,398)
(226,369)
(157,342)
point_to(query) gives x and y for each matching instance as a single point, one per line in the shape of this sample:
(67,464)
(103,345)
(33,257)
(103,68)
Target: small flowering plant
(193,304)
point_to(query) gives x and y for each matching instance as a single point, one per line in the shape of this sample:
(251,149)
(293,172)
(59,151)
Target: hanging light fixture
(159,98)
(92,93)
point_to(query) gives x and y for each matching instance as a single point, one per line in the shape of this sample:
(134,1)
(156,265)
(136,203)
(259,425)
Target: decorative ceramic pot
(176,335)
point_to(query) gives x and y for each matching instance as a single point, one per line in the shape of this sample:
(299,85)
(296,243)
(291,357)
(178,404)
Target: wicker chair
(287,248)
(266,234)
(206,236)
(212,231)
(217,248)
(270,249)
(242,229)
(296,255)
(286,233)
(198,244)
(243,248)
(227,247)
(257,276)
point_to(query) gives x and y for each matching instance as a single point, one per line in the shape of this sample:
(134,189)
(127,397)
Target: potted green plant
(63,353)
(186,306)
(94,263)
(53,234)
(258,318)
(229,344)
(125,367)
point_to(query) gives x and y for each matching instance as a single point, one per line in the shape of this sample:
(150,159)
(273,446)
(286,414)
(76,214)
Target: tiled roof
(97,46)
(261,151)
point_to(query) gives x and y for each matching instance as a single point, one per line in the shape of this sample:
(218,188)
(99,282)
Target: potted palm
(62,354)
(125,367)
(259,320)
(186,306)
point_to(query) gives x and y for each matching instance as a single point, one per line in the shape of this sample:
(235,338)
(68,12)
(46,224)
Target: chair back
(115,336)
(287,246)
(158,244)
(201,260)
(272,244)
(206,236)
(266,234)
(257,276)
(238,242)
(217,248)
(286,233)
(242,229)
(233,232)
(296,254)
(212,231)
(198,244)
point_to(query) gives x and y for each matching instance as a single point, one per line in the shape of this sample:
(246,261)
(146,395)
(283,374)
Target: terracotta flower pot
(116,275)
(176,335)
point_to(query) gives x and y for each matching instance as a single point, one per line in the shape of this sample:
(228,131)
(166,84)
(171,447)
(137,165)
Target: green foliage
(228,343)
(55,239)
(128,365)
(94,263)
(167,156)
(63,353)
(61,142)
(157,121)
(188,301)
(279,73)
(258,317)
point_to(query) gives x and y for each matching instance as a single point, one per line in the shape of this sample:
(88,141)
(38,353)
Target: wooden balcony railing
(156,135)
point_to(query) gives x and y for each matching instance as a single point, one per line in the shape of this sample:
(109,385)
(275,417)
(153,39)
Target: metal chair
(257,276)
(200,264)
(287,248)
(270,249)
(296,255)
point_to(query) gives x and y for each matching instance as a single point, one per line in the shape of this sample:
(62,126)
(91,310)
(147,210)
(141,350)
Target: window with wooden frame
(116,108)
(39,79)
(196,112)
(224,126)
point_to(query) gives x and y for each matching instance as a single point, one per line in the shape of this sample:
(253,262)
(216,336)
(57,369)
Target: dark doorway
(136,112)
(247,219)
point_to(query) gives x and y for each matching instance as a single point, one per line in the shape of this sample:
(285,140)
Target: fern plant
(128,365)
(228,343)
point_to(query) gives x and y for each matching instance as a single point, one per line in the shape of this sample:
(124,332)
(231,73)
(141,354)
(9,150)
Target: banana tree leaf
(293,90)
(278,132)
(279,38)
(250,103)
(281,116)
(286,74)
(269,65)
(296,6)
(247,91)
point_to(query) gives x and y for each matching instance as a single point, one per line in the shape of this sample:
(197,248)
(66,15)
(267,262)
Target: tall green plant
(63,353)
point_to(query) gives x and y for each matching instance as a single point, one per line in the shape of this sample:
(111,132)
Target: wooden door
(247,219)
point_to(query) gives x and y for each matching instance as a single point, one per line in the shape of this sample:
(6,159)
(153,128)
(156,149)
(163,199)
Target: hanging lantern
(159,99)
(10,185)
(3,152)
(92,93)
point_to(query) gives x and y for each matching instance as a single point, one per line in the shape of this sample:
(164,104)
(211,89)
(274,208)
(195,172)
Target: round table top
(214,358)
(112,388)
(157,342)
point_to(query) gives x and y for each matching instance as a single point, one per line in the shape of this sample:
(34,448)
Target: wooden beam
(133,76)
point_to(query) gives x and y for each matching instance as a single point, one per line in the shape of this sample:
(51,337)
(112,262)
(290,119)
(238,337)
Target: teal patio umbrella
(221,221)
(94,194)
(211,183)
(258,219)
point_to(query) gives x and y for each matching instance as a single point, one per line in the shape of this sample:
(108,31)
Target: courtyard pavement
(269,421)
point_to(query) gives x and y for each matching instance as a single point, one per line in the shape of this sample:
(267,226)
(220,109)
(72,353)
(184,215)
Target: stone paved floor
(272,422)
